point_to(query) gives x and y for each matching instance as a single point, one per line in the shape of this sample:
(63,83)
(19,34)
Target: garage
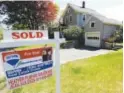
(92,39)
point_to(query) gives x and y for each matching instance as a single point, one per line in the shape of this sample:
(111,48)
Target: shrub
(1,34)
(66,44)
(73,33)
(117,36)
(1,37)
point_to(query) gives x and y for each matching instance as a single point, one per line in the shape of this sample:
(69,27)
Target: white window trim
(91,23)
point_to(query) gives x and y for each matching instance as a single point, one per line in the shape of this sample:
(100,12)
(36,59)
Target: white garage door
(92,39)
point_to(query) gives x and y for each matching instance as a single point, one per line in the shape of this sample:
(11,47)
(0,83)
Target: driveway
(67,55)
(74,54)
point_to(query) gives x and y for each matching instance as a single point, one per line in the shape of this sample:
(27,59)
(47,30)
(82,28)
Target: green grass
(0,32)
(2,83)
(2,79)
(101,74)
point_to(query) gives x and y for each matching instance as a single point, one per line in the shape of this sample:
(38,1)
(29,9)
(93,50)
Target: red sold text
(26,35)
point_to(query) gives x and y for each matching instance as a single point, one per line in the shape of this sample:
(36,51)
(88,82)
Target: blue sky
(109,8)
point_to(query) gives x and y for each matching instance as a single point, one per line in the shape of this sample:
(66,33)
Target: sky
(109,8)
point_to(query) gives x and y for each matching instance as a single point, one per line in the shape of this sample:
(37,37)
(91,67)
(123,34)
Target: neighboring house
(97,27)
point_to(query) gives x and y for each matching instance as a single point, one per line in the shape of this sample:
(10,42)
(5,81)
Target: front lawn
(101,74)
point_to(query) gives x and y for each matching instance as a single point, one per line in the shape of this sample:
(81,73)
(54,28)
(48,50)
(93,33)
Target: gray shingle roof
(95,14)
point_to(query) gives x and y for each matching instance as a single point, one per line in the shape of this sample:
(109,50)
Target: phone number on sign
(23,80)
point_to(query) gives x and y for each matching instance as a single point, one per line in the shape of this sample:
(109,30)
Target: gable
(68,11)
(98,24)
(69,17)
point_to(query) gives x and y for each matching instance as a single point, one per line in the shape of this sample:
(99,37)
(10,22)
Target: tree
(117,36)
(29,14)
(1,33)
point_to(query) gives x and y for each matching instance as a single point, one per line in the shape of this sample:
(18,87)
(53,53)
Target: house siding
(98,26)
(80,21)
(108,31)
(71,13)
(100,29)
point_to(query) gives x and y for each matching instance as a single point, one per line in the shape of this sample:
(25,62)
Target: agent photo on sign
(47,54)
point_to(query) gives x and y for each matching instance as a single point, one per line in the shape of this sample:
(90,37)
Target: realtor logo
(12,59)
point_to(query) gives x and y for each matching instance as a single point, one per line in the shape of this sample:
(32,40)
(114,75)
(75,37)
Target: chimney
(83,4)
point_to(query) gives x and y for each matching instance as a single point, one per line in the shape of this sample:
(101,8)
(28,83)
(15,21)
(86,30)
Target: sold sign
(24,35)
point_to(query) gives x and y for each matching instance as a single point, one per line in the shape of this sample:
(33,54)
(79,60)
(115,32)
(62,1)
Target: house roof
(95,14)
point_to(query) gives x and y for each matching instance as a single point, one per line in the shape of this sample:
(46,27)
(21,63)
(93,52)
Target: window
(66,20)
(68,10)
(84,17)
(70,18)
(92,24)
(95,38)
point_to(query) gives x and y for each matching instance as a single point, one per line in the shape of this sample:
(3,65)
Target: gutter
(113,24)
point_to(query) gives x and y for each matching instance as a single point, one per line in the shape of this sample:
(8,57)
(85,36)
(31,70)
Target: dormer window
(92,24)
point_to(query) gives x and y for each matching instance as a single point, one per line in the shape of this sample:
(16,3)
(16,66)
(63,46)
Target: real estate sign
(19,35)
(27,66)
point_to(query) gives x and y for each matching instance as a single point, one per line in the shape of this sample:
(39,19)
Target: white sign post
(57,63)
(11,44)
